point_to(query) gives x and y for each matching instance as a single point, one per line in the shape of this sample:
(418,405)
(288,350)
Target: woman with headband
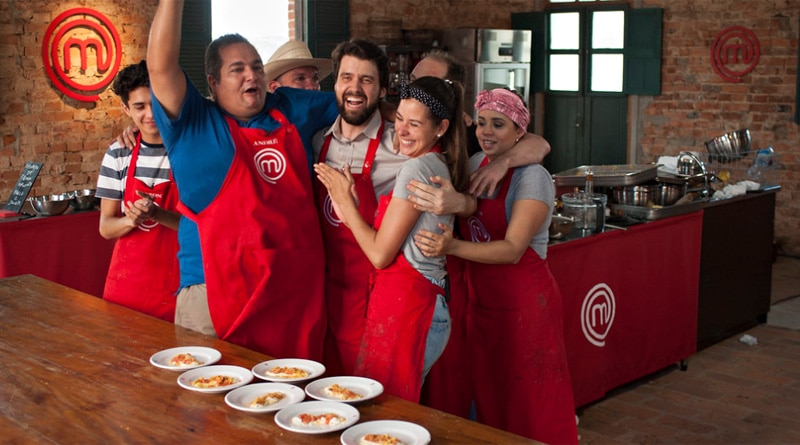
(514,322)
(407,323)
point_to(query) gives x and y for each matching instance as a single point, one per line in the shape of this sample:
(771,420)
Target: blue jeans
(437,335)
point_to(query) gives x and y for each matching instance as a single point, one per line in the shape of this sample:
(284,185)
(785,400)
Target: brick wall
(69,137)
(696,104)
(37,122)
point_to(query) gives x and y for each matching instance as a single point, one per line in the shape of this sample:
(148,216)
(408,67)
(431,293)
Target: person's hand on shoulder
(128,136)
(441,200)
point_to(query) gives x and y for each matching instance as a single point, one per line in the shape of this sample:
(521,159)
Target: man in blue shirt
(242,165)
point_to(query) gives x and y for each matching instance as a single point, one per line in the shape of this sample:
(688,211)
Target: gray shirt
(528,182)
(421,169)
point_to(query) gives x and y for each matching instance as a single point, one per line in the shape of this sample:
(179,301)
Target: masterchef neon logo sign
(81,51)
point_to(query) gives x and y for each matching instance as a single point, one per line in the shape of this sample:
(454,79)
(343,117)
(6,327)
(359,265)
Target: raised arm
(531,149)
(166,78)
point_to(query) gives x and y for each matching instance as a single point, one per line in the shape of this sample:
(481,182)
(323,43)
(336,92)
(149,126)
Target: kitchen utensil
(636,195)
(666,194)
(50,205)
(588,211)
(729,146)
(83,199)
(690,165)
(561,226)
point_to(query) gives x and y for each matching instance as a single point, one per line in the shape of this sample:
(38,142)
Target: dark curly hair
(130,78)
(364,50)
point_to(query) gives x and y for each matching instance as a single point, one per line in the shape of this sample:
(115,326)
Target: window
(604,58)
(264,23)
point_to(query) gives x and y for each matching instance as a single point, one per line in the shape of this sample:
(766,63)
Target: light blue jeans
(439,332)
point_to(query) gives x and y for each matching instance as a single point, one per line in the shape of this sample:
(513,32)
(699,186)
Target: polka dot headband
(436,107)
(504,102)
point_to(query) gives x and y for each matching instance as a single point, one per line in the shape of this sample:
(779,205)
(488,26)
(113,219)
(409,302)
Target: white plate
(207,356)
(284,417)
(314,369)
(367,388)
(409,433)
(243,374)
(240,398)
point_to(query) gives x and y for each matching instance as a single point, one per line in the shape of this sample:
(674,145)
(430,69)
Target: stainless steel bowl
(83,199)
(666,194)
(561,226)
(633,195)
(729,146)
(50,205)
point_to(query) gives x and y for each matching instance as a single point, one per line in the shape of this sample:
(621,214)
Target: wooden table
(76,369)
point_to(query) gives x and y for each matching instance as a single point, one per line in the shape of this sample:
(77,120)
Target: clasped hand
(140,210)
(341,188)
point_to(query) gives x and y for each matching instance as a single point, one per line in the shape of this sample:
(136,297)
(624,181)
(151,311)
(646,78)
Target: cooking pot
(690,165)
(666,194)
(633,195)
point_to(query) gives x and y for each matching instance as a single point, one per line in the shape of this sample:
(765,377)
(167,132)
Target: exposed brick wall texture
(69,137)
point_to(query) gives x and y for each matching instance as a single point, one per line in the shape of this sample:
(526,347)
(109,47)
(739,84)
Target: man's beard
(356,118)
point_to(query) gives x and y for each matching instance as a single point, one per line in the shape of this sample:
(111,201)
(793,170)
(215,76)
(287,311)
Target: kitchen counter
(67,249)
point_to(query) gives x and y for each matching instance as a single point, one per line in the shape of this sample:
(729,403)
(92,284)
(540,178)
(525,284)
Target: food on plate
(286,372)
(341,393)
(326,419)
(267,399)
(216,381)
(184,359)
(379,439)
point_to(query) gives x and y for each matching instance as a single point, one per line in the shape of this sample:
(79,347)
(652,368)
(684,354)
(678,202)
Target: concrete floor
(731,393)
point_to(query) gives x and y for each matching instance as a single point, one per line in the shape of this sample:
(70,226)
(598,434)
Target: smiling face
(305,78)
(358,90)
(415,130)
(496,133)
(140,109)
(241,88)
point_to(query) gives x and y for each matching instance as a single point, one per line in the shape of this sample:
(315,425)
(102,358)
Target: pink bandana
(505,102)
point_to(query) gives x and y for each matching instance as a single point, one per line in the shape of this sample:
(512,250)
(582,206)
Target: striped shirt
(152,168)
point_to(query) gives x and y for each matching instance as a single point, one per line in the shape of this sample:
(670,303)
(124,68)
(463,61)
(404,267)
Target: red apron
(447,386)
(348,269)
(399,315)
(515,332)
(143,274)
(262,248)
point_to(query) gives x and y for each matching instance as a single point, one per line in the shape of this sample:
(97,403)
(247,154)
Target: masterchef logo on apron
(597,314)
(477,231)
(147,225)
(330,215)
(270,162)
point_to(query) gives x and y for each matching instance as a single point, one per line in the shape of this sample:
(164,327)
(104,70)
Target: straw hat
(294,54)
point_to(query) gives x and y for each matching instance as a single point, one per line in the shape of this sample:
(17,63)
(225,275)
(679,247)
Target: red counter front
(630,301)
(67,249)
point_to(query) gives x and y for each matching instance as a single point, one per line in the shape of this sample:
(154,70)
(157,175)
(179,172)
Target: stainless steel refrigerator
(494,58)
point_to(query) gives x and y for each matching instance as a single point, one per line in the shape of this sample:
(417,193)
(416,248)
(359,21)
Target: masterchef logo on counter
(597,314)
(271,164)
(81,51)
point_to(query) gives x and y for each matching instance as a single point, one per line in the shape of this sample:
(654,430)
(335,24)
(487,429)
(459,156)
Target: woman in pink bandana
(513,326)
